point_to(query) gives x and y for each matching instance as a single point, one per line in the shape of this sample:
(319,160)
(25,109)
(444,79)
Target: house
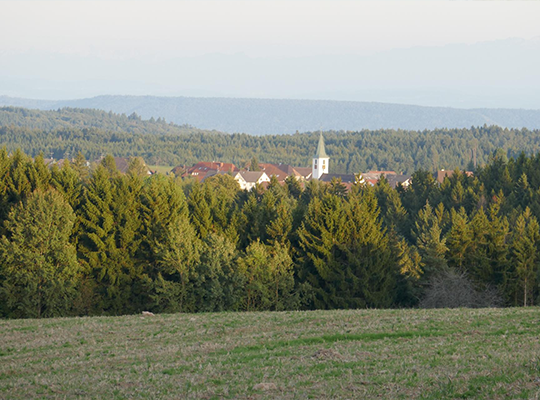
(394,179)
(441,174)
(248,179)
(282,171)
(398,179)
(122,164)
(200,170)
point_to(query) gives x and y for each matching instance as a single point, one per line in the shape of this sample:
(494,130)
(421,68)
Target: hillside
(266,116)
(398,354)
(78,118)
(64,132)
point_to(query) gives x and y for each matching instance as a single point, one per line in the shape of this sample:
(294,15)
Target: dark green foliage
(65,133)
(346,254)
(96,241)
(38,263)
(218,284)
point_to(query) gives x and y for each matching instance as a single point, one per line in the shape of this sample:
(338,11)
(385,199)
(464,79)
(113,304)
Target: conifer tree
(137,167)
(268,277)
(169,248)
(178,255)
(254,164)
(319,235)
(66,181)
(368,255)
(81,167)
(19,185)
(460,240)
(108,240)
(394,215)
(293,187)
(39,175)
(218,286)
(199,211)
(109,164)
(38,261)
(431,245)
(526,239)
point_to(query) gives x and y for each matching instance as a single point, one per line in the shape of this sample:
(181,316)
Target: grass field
(487,353)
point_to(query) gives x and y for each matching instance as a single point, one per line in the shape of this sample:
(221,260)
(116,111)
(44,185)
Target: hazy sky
(108,35)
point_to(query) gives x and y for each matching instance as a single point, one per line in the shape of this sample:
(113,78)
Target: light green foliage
(137,167)
(37,259)
(218,285)
(177,255)
(143,246)
(431,245)
(66,180)
(200,212)
(526,240)
(460,240)
(269,277)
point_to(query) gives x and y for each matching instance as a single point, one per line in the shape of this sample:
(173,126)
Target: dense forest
(64,133)
(80,241)
(286,116)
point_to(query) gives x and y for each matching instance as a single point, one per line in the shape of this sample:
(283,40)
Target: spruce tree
(526,239)
(431,245)
(199,211)
(38,262)
(460,240)
(218,286)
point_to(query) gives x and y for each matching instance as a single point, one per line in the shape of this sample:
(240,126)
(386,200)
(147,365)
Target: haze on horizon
(441,53)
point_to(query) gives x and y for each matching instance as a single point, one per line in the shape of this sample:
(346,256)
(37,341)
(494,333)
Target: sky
(440,53)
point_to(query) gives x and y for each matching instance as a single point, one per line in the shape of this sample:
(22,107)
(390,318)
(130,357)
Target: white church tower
(320,161)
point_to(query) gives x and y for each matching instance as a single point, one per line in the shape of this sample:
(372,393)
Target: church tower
(320,161)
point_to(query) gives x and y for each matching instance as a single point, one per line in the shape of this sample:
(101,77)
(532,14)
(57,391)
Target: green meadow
(354,354)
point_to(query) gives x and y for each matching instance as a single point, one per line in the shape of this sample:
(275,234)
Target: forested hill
(275,116)
(89,118)
(63,133)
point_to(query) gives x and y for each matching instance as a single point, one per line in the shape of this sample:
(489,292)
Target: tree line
(63,133)
(81,241)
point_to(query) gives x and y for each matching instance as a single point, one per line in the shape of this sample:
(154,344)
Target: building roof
(321,151)
(178,170)
(383,172)
(216,166)
(304,172)
(280,171)
(122,164)
(345,178)
(377,174)
(252,176)
(440,175)
(393,180)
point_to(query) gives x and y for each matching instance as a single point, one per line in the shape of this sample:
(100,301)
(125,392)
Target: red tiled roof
(216,166)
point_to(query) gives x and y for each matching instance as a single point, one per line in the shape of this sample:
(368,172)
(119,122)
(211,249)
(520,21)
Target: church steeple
(320,160)
(321,151)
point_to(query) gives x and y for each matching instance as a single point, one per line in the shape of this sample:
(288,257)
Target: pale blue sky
(67,49)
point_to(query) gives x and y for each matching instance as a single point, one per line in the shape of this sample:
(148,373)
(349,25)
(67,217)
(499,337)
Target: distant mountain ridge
(281,116)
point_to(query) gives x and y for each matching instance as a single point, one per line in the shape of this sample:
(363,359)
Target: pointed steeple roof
(321,152)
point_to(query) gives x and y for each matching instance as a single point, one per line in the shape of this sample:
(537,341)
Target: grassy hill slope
(278,116)
(486,353)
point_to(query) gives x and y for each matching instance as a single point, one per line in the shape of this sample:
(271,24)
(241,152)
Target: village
(260,173)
